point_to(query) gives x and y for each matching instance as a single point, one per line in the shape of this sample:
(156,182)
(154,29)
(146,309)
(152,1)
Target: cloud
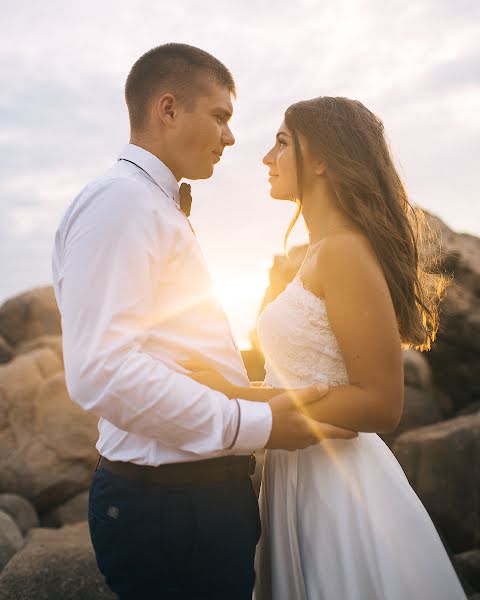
(63,118)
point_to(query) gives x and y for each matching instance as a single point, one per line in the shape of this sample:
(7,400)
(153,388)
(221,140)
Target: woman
(339,519)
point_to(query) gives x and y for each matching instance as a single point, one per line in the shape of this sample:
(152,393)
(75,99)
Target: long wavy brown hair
(350,140)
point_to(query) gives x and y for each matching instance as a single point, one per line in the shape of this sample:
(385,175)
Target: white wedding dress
(339,519)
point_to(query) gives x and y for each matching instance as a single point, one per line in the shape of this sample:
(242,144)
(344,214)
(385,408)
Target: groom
(172,512)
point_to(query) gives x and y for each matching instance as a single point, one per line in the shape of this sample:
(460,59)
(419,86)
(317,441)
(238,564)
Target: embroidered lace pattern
(298,342)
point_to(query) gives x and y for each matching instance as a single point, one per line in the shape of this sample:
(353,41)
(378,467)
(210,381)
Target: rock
(6,351)
(455,358)
(254,364)
(11,538)
(72,511)
(467,565)
(470,409)
(21,511)
(417,371)
(47,442)
(419,409)
(441,464)
(29,315)
(54,342)
(55,564)
(283,270)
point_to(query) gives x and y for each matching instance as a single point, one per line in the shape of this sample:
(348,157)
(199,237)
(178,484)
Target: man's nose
(228,138)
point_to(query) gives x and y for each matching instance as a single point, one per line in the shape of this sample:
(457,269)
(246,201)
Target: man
(172,512)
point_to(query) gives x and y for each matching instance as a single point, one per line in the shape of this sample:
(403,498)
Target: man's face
(203,133)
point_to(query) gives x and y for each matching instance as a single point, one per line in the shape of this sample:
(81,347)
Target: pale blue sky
(63,119)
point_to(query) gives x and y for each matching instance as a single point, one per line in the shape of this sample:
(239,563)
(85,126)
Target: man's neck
(150,145)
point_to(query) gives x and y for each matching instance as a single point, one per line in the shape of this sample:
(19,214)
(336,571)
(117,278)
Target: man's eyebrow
(226,114)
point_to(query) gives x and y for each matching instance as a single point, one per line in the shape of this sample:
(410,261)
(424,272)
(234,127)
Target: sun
(240,297)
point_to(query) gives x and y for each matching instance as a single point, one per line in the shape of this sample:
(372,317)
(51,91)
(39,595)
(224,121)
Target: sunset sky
(63,118)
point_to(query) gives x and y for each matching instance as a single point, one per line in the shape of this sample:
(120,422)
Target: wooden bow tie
(186,198)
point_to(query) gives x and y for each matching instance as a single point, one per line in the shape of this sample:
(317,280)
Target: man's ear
(167,109)
(320,168)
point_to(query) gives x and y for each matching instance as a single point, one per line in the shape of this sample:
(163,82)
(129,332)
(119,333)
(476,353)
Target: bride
(339,519)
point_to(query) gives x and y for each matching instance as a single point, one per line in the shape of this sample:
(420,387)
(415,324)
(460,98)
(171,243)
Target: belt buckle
(252,465)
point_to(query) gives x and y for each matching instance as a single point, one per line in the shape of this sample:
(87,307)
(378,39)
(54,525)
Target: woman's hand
(209,377)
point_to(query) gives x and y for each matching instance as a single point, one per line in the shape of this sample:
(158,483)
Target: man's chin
(204,173)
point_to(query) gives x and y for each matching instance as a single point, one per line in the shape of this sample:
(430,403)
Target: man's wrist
(255,426)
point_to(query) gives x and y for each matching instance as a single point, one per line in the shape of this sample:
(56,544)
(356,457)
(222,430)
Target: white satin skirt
(341,522)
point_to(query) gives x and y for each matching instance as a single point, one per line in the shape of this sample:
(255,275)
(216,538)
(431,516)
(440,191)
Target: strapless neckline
(309,293)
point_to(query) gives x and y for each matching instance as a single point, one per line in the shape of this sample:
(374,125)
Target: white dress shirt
(136,297)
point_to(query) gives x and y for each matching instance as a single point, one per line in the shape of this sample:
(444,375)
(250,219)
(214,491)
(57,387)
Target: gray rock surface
(442,464)
(47,442)
(72,511)
(21,510)
(55,564)
(467,565)
(54,342)
(11,538)
(30,315)
(6,351)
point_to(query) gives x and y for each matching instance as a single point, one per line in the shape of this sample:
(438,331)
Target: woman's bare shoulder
(346,250)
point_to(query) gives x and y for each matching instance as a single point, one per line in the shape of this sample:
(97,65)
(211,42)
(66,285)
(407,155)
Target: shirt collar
(154,167)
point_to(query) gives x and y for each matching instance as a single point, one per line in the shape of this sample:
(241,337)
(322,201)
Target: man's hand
(293,430)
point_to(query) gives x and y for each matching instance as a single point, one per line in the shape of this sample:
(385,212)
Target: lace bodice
(298,342)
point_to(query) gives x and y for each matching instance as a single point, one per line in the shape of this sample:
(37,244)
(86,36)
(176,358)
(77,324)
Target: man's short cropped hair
(180,69)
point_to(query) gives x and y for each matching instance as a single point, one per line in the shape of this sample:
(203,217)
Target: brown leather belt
(223,468)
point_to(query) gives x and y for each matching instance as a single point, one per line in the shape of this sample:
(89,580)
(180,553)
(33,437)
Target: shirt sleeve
(106,292)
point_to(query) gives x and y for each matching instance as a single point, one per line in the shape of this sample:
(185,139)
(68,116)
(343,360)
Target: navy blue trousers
(162,542)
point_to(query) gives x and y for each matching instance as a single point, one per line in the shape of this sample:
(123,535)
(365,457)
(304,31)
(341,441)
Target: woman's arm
(257,394)
(213,379)
(362,317)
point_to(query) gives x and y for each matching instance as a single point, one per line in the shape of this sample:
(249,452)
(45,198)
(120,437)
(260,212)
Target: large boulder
(47,442)
(11,538)
(72,511)
(6,351)
(419,409)
(467,565)
(442,464)
(54,342)
(30,315)
(423,403)
(21,510)
(455,358)
(55,564)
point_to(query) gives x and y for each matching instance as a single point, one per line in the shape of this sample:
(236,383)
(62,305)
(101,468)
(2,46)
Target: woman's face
(282,169)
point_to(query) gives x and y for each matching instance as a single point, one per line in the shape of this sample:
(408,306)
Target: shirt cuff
(255,426)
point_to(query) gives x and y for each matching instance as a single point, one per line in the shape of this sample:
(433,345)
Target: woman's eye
(281,143)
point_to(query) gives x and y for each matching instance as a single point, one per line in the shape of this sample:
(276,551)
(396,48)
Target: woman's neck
(321,217)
